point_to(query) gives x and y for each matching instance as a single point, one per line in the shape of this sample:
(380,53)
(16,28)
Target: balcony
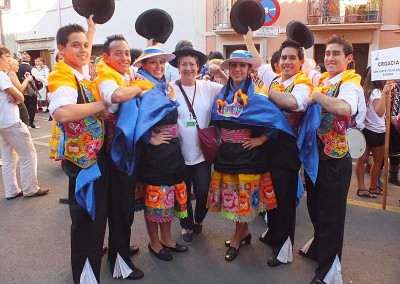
(350,12)
(221,20)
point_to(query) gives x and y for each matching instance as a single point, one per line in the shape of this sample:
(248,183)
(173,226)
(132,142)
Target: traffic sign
(272,11)
(269,31)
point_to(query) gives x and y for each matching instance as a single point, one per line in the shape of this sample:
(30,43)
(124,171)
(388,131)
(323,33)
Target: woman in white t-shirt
(376,93)
(200,97)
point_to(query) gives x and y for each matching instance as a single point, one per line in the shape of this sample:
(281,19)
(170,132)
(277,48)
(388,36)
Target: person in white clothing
(200,96)
(44,72)
(376,93)
(15,139)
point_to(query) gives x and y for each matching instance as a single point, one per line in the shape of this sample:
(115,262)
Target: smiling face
(335,59)
(119,57)
(155,66)
(239,71)
(289,62)
(188,67)
(76,52)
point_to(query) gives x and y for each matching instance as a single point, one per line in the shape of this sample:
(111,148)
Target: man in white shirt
(15,140)
(44,72)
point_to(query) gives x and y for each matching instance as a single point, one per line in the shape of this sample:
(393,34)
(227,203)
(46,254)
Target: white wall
(188,16)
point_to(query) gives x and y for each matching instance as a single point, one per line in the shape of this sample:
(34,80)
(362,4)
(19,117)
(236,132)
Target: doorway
(231,48)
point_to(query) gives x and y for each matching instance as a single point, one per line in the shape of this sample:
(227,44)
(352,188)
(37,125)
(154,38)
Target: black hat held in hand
(156,24)
(247,13)
(102,10)
(299,32)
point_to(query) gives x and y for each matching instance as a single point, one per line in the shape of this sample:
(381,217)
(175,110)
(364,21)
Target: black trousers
(199,176)
(87,236)
(121,209)
(23,113)
(326,203)
(284,168)
(31,105)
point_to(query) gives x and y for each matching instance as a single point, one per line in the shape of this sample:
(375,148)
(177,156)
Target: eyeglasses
(185,65)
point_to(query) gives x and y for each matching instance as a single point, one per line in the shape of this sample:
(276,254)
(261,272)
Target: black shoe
(246,240)
(47,110)
(15,196)
(177,248)
(308,255)
(273,261)
(231,253)
(266,238)
(135,274)
(34,126)
(163,254)
(40,192)
(197,229)
(104,250)
(133,250)
(64,200)
(394,181)
(317,280)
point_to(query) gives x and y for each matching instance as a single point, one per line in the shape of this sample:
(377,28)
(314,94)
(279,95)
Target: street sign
(385,64)
(270,31)
(272,11)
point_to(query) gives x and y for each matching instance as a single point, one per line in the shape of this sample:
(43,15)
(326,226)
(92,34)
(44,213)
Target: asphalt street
(35,245)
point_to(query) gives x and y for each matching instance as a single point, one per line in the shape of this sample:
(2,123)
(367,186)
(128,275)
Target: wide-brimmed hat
(156,24)
(102,10)
(187,50)
(299,32)
(240,56)
(153,51)
(247,13)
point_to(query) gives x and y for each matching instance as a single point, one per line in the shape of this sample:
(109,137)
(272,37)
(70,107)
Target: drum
(356,142)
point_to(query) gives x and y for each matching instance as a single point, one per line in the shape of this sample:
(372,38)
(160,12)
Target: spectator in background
(213,55)
(44,71)
(275,62)
(135,53)
(14,66)
(320,68)
(374,132)
(172,73)
(394,142)
(30,93)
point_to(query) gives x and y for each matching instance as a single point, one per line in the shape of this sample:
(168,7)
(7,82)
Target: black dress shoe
(40,192)
(273,261)
(246,240)
(104,250)
(133,250)
(15,196)
(308,255)
(177,248)
(162,254)
(135,274)
(64,200)
(231,253)
(266,239)
(317,280)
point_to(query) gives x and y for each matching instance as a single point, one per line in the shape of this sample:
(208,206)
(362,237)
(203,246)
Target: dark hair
(135,53)
(58,54)
(4,50)
(275,59)
(183,43)
(370,85)
(322,67)
(245,87)
(294,44)
(215,55)
(339,39)
(64,32)
(109,40)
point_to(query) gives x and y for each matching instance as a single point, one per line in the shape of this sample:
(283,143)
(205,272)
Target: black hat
(101,9)
(154,23)
(299,32)
(187,50)
(247,13)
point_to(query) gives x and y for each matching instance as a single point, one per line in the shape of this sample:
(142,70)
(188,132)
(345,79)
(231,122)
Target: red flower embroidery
(74,129)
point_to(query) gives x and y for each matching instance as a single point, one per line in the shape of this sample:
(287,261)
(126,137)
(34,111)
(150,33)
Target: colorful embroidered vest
(294,118)
(83,138)
(332,130)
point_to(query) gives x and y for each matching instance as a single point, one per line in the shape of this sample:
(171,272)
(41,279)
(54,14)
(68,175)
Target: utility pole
(1,23)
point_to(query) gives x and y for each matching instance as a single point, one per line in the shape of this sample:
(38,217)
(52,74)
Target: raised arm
(248,39)
(90,32)
(17,84)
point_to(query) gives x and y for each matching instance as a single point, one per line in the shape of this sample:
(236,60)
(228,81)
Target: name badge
(190,123)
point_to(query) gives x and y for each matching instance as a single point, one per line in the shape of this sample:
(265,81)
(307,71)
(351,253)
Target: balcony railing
(222,10)
(343,11)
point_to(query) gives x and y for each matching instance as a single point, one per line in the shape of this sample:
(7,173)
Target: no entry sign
(272,11)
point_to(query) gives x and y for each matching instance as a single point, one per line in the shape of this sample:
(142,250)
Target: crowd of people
(126,128)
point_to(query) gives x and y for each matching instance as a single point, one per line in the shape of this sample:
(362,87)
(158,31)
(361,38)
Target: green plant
(374,5)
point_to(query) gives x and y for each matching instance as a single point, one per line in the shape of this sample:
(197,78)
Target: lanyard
(194,95)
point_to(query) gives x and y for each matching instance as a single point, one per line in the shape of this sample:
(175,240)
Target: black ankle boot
(394,177)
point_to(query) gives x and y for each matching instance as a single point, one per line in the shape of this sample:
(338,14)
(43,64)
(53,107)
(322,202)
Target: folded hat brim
(167,56)
(156,24)
(189,51)
(247,13)
(254,63)
(299,32)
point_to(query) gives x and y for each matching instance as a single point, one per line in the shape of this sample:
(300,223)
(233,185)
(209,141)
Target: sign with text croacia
(385,64)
